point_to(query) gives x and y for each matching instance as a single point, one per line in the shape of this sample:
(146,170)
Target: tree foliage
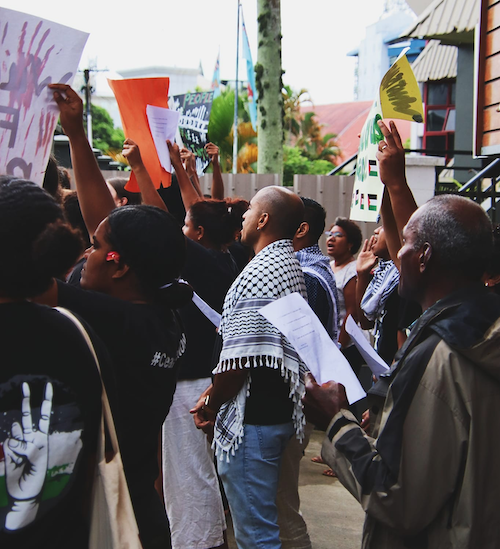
(104,134)
(295,162)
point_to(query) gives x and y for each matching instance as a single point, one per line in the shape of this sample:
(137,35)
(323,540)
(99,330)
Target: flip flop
(317,459)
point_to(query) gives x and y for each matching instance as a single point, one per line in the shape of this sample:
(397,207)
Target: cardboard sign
(400,94)
(399,98)
(194,109)
(34,52)
(133,95)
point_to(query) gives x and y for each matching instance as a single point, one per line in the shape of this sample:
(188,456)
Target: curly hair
(352,231)
(37,243)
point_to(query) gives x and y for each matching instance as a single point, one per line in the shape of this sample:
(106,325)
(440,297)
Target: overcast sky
(317,34)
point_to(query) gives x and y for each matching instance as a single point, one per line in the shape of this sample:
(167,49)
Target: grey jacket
(430,478)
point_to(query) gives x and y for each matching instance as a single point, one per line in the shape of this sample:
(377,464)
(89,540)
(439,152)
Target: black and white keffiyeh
(315,263)
(250,341)
(384,282)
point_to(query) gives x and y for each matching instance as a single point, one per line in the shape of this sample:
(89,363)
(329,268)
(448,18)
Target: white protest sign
(295,319)
(34,52)
(376,364)
(163,124)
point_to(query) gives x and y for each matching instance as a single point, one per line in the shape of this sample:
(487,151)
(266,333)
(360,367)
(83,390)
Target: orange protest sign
(133,95)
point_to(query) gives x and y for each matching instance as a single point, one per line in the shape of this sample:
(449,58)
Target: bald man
(255,399)
(428,477)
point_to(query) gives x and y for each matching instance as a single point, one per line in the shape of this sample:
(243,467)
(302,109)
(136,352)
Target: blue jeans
(250,480)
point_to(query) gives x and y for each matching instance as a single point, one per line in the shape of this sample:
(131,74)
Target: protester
(136,257)
(50,389)
(322,298)
(425,479)
(380,306)
(255,397)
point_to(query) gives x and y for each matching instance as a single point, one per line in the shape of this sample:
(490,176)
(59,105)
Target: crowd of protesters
(213,406)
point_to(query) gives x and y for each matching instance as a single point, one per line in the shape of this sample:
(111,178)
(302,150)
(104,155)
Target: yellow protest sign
(400,96)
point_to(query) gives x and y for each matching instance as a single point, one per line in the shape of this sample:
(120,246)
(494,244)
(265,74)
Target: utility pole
(235,126)
(88,91)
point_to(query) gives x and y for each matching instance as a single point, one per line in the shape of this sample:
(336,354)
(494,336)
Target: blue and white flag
(252,97)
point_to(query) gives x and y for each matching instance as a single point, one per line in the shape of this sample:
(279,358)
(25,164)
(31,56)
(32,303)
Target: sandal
(317,459)
(329,473)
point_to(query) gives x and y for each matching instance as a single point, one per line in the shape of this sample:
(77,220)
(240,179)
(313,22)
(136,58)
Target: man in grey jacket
(427,477)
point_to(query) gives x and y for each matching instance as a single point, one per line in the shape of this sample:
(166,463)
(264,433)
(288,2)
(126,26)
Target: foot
(329,473)
(317,459)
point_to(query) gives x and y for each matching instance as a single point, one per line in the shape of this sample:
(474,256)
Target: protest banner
(399,98)
(133,96)
(34,52)
(194,109)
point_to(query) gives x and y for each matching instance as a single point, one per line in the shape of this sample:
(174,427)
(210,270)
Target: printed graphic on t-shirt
(40,441)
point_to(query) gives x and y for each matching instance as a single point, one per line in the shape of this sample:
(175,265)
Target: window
(439,133)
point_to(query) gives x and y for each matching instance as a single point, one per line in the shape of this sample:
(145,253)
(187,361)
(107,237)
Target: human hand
(366,258)
(365,421)
(391,155)
(26,460)
(322,402)
(132,153)
(189,160)
(70,107)
(175,155)
(213,152)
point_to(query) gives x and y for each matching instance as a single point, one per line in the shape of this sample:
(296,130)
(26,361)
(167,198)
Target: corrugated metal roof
(451,21)
(436,62)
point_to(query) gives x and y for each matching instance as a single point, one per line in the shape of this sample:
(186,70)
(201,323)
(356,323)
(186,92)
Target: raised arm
(391,159)
(217,182)
(189,160)
(188,192)
(364,264)
(95,199)
(149,194)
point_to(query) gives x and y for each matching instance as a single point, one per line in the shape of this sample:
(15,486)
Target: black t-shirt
(143,341)
(46,463)
(211,274)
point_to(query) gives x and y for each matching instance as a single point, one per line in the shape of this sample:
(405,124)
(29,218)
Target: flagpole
(235,126)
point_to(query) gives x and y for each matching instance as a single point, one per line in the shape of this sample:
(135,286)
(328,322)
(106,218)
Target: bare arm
(217,182)
(391,158)
(148,192)
(95,199)
(350,309)
(188,192)
(189,160)
(364,265)
(392,235)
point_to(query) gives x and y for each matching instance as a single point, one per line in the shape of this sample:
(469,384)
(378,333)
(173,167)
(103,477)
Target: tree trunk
(269,85)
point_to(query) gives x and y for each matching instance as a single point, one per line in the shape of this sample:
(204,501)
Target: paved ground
(334,518)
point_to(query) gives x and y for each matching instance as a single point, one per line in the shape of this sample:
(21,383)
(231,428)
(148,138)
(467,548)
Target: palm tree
(292,118)
(314,145)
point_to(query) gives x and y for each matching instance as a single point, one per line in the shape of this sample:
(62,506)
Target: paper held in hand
(295,319)
(376,364)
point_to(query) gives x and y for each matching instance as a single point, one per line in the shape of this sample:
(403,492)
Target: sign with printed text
(34,52)
(194,109)
(399,98)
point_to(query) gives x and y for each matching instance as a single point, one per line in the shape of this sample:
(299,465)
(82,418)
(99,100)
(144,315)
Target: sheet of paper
(299,324)
(34,52)
(205,308)
(376,364)
(163,124)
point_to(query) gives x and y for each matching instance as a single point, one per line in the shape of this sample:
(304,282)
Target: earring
(258,228)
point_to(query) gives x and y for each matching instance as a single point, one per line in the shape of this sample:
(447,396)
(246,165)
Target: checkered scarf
(250,341)
(384,282)
(315,263)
